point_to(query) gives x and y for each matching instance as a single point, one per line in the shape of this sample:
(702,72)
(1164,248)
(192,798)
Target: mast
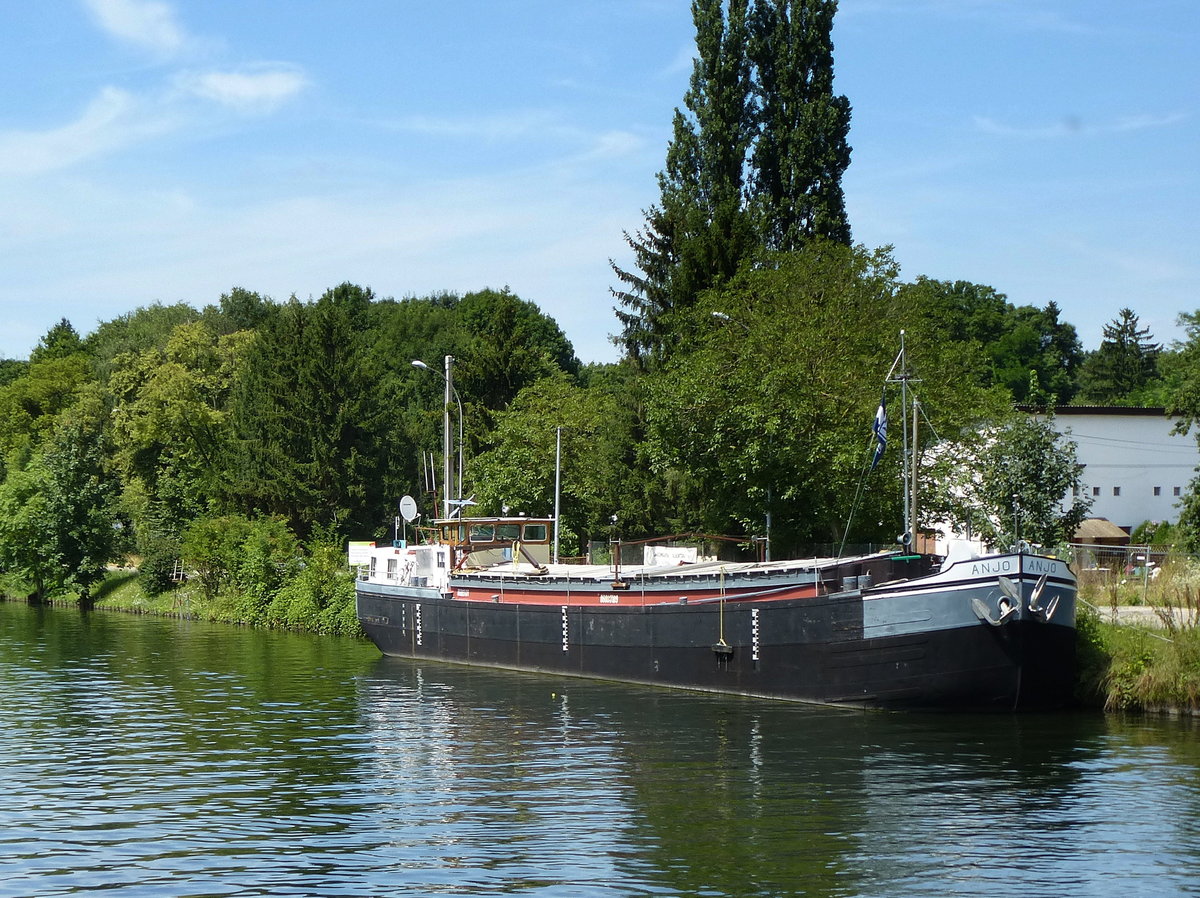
(447,480)
(910,526)
(906,538)
(557,486)
(908,477)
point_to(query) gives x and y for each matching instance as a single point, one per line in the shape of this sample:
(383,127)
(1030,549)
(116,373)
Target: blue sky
(160,150)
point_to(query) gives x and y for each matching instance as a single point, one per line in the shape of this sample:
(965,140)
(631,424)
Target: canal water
(149,757)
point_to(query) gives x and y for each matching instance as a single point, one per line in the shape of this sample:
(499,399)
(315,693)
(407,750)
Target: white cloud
(502,127)
(147,23)
(112,120)
(248,91)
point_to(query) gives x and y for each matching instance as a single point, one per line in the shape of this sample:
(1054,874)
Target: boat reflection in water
(646,791)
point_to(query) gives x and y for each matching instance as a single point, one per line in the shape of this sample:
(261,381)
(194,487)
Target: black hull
(810,650)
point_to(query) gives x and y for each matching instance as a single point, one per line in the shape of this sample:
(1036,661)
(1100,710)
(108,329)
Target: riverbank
(318,599)
(1139,658)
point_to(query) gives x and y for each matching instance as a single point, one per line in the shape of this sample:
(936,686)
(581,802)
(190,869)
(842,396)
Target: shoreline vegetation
(1138,641)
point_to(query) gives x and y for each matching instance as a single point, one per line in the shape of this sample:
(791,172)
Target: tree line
(243,443)
(197,437)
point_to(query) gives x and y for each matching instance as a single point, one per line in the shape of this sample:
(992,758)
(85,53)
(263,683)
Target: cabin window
(535,533)
(391,572)
(372,565)
(508,531)
(482,533)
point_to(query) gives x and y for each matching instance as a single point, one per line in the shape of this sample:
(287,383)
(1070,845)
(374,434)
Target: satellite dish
(408,508)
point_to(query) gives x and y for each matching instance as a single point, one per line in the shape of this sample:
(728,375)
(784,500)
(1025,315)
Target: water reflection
(698,794)
(151,757)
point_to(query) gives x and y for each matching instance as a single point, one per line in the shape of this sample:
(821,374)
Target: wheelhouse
(480,542)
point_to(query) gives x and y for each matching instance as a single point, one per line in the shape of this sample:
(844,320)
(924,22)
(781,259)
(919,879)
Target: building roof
(1128,410)
(1093,529)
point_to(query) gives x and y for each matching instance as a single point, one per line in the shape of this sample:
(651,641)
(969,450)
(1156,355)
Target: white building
(1135,469)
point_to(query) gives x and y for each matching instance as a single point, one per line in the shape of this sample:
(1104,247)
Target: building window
(1116,491)
(1176,491)
(1158,491)
(1095,491)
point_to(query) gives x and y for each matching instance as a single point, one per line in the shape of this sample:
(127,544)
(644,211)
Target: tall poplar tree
(801,150)
(755,162)
(699,232)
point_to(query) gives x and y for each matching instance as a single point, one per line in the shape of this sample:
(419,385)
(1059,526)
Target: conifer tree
(1126,361)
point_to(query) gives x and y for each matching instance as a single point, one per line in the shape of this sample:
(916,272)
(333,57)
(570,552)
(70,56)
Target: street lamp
(450,391)
(727,318)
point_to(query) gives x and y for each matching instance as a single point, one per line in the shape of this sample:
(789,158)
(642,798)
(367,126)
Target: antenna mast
(900,374)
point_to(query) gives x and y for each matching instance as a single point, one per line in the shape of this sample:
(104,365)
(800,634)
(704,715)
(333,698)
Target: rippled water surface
(162,758)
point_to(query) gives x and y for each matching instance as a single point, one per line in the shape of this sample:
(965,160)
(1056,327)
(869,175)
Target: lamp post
(446,478)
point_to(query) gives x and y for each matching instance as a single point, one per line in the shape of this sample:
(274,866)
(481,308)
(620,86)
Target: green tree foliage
(1125,364)
(31,403)
(319,598)
(58,511)
(599,476)
(147,327)
(699,232)
(10,370)
(1008,483)
(771,407)
(170,420)
(506,343)
(754,163)
(801,151)
(1028,350)
(60,342)
(39,391)
(82,495)
(305,414)
(172,438)
(500,344)
(26,530)
(1183,402)
(244,310)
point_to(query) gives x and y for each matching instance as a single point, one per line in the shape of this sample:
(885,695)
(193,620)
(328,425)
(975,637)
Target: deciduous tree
(1009,483)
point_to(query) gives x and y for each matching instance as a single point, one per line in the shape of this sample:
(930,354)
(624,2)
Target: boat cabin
(482,542)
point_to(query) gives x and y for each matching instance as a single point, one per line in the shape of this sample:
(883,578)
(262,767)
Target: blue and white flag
(880,430)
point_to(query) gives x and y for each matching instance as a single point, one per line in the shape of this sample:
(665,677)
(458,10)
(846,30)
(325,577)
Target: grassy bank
(1150,665)
(316,598)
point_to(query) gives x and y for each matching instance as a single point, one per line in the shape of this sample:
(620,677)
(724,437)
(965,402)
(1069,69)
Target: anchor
(1008,605)
(1042,613)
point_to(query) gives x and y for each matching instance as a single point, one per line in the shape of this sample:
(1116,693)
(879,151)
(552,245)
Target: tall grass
(1140,667)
